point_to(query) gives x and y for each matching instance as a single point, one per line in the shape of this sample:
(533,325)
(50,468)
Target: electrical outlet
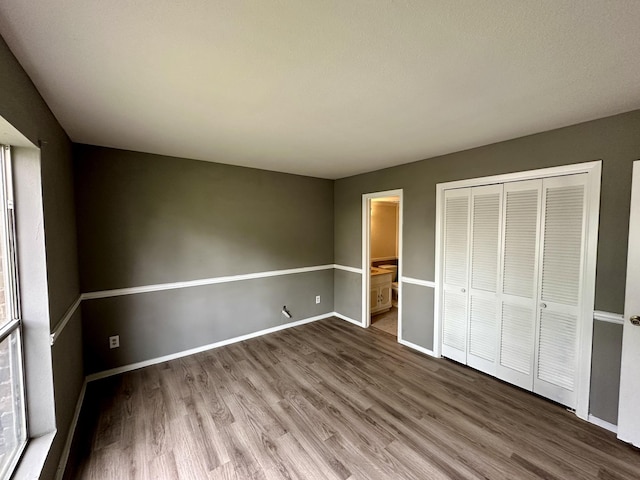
(114,342)
(317,298)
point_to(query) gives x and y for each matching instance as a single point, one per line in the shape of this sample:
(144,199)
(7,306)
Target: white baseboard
(417,347)
(347,319)
(603,423)
(204,348)
(64,456)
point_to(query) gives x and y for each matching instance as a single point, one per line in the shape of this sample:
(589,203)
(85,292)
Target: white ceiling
(327,88)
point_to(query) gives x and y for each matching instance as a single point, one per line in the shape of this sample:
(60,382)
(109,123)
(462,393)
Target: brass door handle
(635,320)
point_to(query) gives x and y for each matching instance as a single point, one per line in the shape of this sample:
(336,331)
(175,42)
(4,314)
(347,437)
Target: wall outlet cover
(114,341)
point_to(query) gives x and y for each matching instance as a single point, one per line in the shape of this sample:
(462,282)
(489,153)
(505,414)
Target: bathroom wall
(384,231)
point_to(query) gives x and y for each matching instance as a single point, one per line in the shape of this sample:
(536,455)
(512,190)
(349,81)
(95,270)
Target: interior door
(486,226)
(456,274)
(519,282)
(560,287)
(628,412)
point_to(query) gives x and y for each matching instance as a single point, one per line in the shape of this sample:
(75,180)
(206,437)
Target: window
(13,428)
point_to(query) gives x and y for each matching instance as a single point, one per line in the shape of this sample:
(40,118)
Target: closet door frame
(585,327)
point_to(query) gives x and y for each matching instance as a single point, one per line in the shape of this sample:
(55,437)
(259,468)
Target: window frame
(12,304)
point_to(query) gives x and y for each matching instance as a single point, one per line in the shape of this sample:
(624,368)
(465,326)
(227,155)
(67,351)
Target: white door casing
(366,255)
(629,404)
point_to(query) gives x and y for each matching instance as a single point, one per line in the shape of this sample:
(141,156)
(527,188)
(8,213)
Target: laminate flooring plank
(306,465)
(193,459)
(414,461)
(248,406)
(163,467)
(132,452)
(204,432)
(155,424)
(242,457)
(506,440)
(297,428)
(330,400)
(359,467)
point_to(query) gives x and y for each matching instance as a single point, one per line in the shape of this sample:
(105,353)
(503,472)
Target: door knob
(543,305)
(635,320)
(463,290)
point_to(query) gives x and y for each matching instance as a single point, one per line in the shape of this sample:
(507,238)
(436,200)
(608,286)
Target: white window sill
(33,458)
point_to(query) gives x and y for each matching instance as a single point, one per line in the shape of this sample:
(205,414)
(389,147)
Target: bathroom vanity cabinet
(380,295)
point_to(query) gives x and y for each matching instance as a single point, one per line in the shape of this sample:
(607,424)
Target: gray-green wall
(146,219)
(23,107)
(614,140)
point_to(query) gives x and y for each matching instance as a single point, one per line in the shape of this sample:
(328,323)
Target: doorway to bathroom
(381,261)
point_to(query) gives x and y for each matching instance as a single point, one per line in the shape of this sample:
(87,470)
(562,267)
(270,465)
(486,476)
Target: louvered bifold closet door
(560,286)
(456,272)
(519,277)
(486,225)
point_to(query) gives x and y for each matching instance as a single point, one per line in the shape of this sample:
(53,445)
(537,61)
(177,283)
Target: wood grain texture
(329,400)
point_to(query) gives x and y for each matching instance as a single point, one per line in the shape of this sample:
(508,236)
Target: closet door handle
(463,290)
(543,305)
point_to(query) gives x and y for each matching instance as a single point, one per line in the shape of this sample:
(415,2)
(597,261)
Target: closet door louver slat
(485,238)
(455,328)
(516,346)
(456,239)
(557,354)
(482,328)
(563,244)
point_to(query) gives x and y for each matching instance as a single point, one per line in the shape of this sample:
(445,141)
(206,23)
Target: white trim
(192,283)
(420,349)
(417,281)
(593,169)
(583,387)
(609,317)
(585,167)
(366,254)
(203,348)
(196,283)
(603,423)
(65,319)
(437,327)
(348,269)
(347,319)
(64,456)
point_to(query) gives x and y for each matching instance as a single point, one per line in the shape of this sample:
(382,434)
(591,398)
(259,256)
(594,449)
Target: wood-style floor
(329,400)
